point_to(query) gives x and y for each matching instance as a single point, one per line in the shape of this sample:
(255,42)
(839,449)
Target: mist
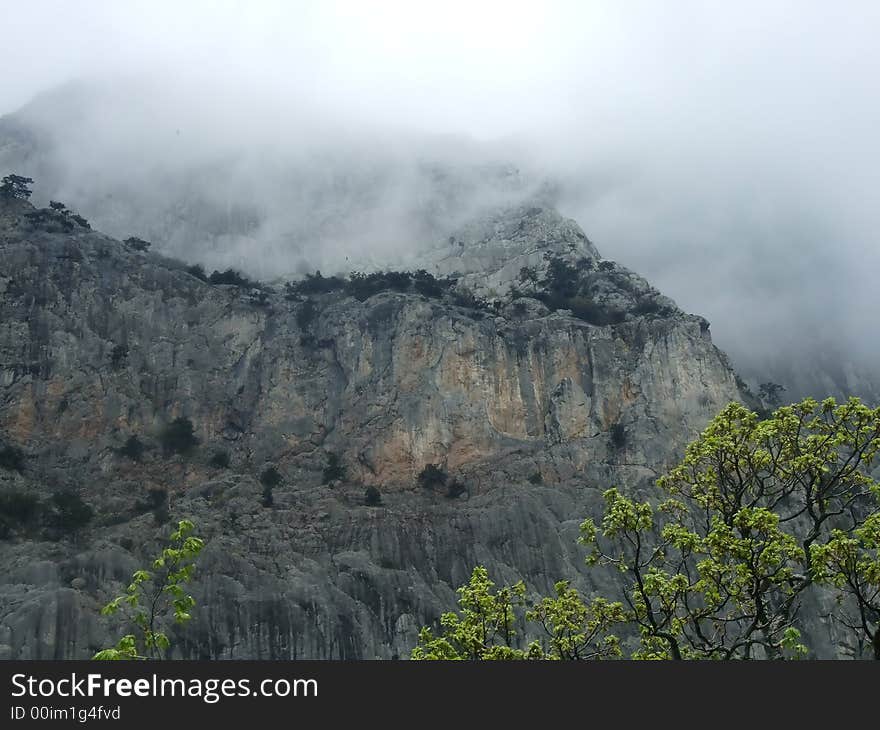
(727,152)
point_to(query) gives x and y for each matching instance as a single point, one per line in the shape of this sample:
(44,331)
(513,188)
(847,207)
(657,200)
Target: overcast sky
(727,150)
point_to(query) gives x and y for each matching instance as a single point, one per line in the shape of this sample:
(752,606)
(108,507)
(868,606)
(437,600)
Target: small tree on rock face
(270,478)
(432,476)
(68,512)
(15,187)
(178,437)
(334,471)
(372,497)
(155,598)
(770,394)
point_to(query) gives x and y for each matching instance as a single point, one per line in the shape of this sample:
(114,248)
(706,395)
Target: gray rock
(99,343)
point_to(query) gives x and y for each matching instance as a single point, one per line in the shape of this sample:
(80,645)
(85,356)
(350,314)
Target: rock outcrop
(518,400)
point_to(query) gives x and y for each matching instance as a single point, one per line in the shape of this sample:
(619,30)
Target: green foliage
(231,277)
(198,271)
(484,627)
(11,458)
(432,477)
(334,471)
(133,448)
(770,394)
(536,478)
(455,488)
(618,436)
(156,598)
(118,355)
(68,513)
(270,478)
(720,568)
(18,511)
(563,288)
(178,437)
(15,187)
(757,515)
(364,286)
(219,459)
(372,497)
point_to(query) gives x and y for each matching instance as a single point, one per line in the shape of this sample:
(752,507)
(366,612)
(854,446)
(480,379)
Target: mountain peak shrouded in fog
(728,152)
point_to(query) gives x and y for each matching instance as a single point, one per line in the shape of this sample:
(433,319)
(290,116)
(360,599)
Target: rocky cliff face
(534,410)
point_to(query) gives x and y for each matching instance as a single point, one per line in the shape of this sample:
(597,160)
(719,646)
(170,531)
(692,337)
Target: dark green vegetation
(572,286)
(363,286)
(56,518)
(15,187)
(372,497)
(219,460)
(11,458)
(270,478)
(178,437)
(758,517)
(132,449)
(334,470)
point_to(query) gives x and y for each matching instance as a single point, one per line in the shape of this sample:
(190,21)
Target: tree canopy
(15,187)
(759,514)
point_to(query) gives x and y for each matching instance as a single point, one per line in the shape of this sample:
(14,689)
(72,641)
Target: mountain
(530,370)
(277,195)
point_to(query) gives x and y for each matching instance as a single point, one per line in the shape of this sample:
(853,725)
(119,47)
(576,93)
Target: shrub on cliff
(11,458)
(432,477)
(178,437)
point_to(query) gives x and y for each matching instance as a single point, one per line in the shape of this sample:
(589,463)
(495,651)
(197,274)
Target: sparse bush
(455,489)
(587,310)
(270,477)
(68,512)
(157,503)
(12,458)
(364,286)
(18,510)
(334,471)
(372,497)
(432,476)
(198,271)
(220,460)
(317,283)
(133,448)
(118,355)
(19,507)
(536,478)
(770,393)
(618,435)
(231,277)
(429,285)
(647,306)
(606,266)
(178,437)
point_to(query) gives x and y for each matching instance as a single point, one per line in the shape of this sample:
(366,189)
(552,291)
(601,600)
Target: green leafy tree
(758,514)
(851,563)
(484,628)
(155,598)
